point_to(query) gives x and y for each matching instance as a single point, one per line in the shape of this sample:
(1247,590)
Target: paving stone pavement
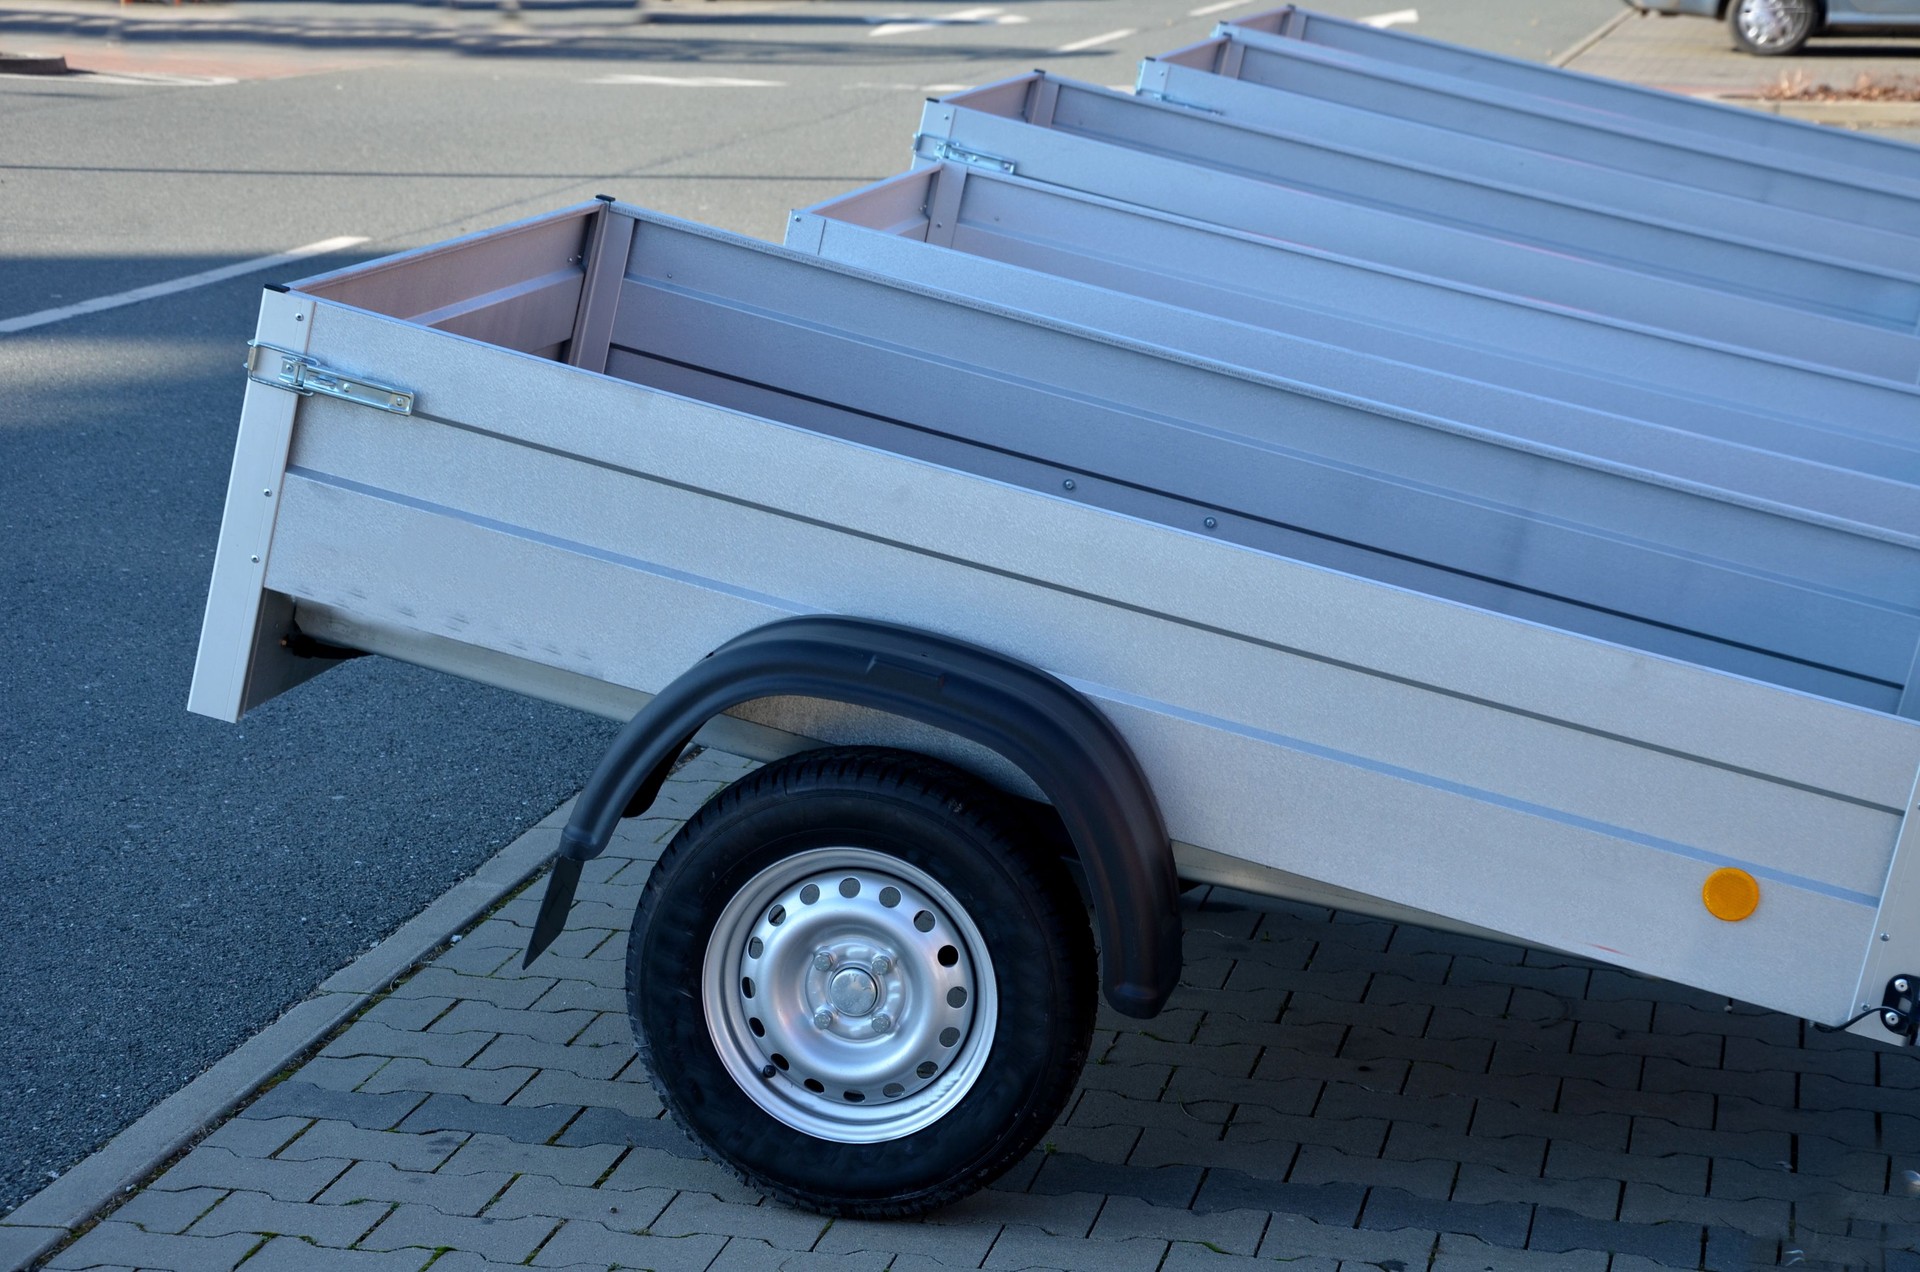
(1324,1093)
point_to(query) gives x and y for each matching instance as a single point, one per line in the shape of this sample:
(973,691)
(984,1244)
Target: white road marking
(1222,7)
(897,24)
(1399,17)
(1095,41)
(154,79)
(687,81)
(191,281)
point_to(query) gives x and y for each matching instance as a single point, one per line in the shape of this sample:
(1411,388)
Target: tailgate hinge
(300,374)
(939,148)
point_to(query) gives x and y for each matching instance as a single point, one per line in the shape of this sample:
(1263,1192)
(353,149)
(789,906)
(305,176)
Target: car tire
(1772,28)
(863,980)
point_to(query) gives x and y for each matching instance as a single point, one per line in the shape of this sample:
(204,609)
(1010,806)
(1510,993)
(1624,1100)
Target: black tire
(1772,28)
(1012,889)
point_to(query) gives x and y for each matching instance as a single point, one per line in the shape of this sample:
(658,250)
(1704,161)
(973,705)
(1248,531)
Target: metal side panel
(1608,141)
(1314,305)
(1669,436)
(518,286)
(1417,497)
(1256,278)
(1793,275)
(240,663)
(1567,177)
(1169,183)
(1788,142)
(1428,754)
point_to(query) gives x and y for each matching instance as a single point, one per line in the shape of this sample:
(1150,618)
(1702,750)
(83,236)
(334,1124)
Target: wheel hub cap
(1770,22)
(853,992)
(849,995)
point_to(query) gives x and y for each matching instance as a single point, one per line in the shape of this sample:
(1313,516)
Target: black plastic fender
(1039,724)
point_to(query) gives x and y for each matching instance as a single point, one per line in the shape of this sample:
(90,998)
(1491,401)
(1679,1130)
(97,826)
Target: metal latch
(939,148)
(286,370)
(1155,95)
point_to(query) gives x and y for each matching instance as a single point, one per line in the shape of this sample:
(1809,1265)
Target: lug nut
(882,964)
(822,961)
(823,1017)
(883,1023)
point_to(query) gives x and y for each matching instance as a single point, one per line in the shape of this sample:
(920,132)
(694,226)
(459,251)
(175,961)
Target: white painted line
(687,81)
(1399,17)
(191,281)
(152,79)
(1095,41)
(898,24)
(1222,7)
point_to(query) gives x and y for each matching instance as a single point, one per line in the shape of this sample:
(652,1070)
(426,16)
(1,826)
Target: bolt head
(822,961)
(1891,1019)
(1900,983)
(883,1023)
(882,965)
(823,1017)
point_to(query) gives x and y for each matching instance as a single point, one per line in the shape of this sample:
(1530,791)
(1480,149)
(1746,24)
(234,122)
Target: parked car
(1772,27)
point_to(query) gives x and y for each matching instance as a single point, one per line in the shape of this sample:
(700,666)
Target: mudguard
(1039,724)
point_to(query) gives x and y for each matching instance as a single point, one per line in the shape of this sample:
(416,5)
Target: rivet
(1885,937)
(1068,484)
(1891,1019)
(1210,523)
(1900,984)
(255,560)
(267,493)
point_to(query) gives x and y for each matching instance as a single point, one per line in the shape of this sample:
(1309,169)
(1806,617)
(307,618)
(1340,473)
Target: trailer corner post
(1893,948)
(240,662)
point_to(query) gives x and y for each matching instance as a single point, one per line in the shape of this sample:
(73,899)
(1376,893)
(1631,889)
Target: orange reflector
(1731,894)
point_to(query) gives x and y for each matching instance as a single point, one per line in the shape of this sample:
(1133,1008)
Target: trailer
(1186,77)
(1136,150)
(1042,592)
(1314,317)
(1786,144)
(1718,149)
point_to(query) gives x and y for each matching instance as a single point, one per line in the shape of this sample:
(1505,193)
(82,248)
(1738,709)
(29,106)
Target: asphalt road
(169,884)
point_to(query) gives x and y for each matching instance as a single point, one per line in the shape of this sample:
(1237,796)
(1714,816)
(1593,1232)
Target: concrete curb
(1835,114)
(33,64)
(51,1216)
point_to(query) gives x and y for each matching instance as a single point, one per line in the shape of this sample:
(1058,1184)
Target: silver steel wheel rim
(849,995)
(1770,23)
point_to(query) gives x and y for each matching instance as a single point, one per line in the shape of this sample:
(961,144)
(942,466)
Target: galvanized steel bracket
(940,149)
(297,373)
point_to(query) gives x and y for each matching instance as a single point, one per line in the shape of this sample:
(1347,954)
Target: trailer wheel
(1770,28)
(858,979)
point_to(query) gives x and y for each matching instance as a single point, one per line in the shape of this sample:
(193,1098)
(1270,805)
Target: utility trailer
(1185,78)
(1787,144)
(1707,158)
(1634,392)
(1041,589)
(1136,150)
